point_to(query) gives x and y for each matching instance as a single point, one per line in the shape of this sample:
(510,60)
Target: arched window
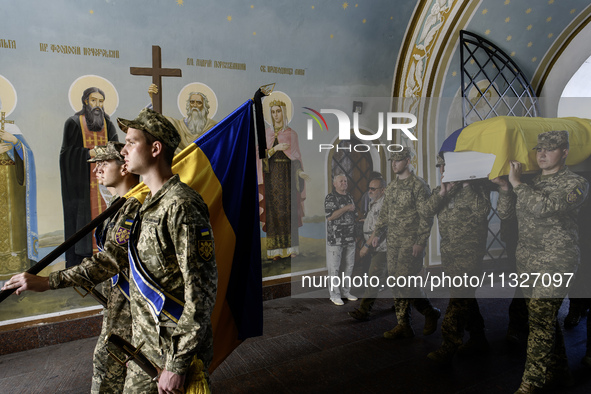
(492,84)
(343,159)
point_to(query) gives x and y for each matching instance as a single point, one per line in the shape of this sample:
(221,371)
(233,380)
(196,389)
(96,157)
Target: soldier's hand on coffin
(515,173)
(25,281)
(446,187)
(502,182)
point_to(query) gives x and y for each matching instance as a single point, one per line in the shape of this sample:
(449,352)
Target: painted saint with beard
(197,121)
(81,197)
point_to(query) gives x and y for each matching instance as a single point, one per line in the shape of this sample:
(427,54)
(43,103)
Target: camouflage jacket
(103,265)
(404,212)
(546,214)
(175,247)
(462,215)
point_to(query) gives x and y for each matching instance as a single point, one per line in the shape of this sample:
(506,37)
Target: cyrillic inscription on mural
(283,70)
(216,64)
(78,50)
(6,43)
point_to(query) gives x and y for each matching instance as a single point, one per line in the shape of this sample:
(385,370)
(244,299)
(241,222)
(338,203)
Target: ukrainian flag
(221,166)
(513,138)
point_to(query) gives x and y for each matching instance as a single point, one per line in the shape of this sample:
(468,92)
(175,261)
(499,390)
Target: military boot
(359,315)
(431,318)
(399,332)
(444,355)
(528,388)
(477,344)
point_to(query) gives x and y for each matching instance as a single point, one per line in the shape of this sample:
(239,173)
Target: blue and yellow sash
(121,281)
(158,299)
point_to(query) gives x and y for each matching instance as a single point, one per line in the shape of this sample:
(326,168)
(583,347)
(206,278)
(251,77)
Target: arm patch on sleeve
(574,196)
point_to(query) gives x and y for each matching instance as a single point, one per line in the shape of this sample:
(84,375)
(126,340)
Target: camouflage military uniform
(404,215)
(546,213)
(108,375)
(175,247)
(463,224)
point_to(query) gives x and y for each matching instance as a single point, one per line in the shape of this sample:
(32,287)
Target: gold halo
(277,95)
(197,87)
(86,81)
(7,96)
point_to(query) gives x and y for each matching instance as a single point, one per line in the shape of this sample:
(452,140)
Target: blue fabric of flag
(230,148)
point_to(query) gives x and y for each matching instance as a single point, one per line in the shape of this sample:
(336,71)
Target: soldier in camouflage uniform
(546,213)
(174,250)
(462,211)
(108,375)
(404,217)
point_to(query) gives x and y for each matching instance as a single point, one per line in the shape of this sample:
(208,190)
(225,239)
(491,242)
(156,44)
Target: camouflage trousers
(139,382)
(108,376)
(463,312)
(401,263)
(546,353)
(377,268)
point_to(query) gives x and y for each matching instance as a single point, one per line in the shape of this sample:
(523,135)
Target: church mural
(198,105)
(282,188)
(135,54)
(19,243)
(81,196)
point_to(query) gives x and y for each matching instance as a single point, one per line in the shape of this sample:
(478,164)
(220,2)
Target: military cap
(100,151)
(552,140)
(155,124)
(113,151)
(440,160)
(401,155)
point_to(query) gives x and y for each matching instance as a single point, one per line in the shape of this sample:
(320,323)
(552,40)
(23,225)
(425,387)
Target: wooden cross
(157,72)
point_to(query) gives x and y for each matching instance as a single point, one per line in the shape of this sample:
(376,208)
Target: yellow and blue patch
(574,196)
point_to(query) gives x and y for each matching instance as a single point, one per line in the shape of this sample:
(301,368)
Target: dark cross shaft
(157,72)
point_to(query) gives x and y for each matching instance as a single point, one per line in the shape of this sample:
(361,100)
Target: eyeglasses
(373,189)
